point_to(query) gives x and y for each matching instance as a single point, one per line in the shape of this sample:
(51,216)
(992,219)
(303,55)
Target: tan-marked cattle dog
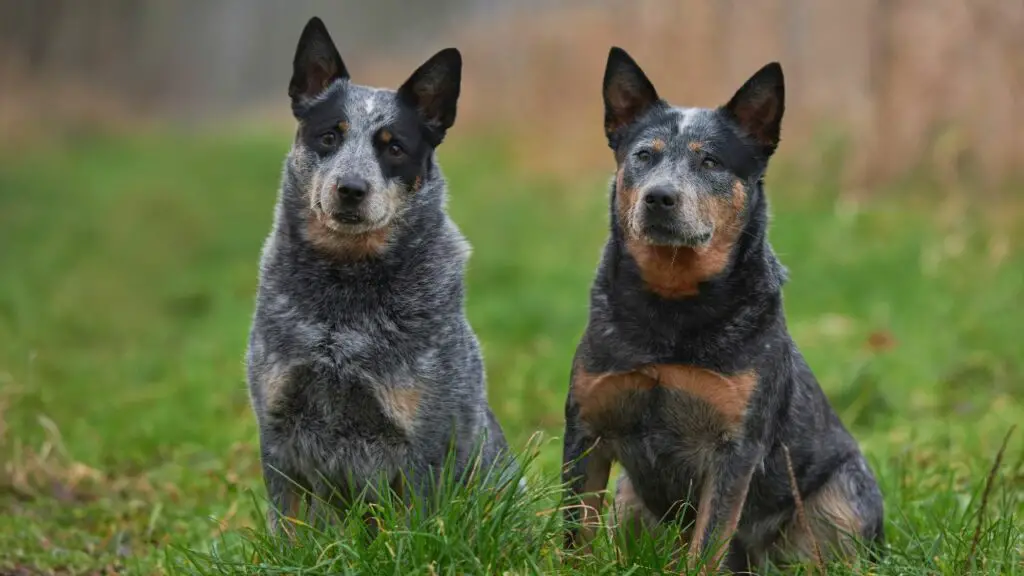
(686,373)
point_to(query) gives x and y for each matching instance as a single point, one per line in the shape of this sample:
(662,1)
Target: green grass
(127,274)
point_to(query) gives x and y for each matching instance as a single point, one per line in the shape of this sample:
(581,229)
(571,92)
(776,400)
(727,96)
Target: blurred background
(141,144)
(908,82)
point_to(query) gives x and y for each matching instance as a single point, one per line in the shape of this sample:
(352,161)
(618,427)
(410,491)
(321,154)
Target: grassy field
(127,274)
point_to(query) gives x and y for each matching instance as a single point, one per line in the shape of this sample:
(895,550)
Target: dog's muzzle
(351,194)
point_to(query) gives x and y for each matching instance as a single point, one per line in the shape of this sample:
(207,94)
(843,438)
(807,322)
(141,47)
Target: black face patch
(403,149)
(359,146)
(397,136)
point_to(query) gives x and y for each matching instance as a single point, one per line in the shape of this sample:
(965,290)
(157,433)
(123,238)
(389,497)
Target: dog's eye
(643,156)
(710,163)
(395,150)
(328,139)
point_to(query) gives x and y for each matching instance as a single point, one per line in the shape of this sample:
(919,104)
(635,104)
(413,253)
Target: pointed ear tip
(774,68)
(315,23)
(449,58)
(453,54)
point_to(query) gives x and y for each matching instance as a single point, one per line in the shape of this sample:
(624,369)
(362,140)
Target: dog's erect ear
(317,63)
(758,105)
(628,94)
(433,91)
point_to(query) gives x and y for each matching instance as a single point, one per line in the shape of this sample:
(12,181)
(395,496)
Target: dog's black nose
(660,198)
(351,191)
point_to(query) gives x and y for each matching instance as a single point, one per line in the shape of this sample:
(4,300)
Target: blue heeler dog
(362,367)
(686,373)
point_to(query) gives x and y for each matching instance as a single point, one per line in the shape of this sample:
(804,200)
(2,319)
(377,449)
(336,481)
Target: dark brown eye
(328,139)
(643,156)
(710,163)
(395,150)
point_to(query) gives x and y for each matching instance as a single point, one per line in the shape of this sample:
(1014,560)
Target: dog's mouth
(347,218)
(677,236)
(350,223)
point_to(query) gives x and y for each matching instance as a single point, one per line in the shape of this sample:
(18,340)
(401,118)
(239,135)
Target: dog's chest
(349,398)
(341,426)
(692,405)
(664,423)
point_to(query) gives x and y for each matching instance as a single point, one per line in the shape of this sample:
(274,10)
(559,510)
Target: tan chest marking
(729,396)
(274,383)
(401,406)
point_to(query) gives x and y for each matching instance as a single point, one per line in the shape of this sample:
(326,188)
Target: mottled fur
(362,366)
(686,373)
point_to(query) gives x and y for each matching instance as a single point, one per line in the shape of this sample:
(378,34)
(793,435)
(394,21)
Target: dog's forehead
(679,124)
(693,122)
(368,107)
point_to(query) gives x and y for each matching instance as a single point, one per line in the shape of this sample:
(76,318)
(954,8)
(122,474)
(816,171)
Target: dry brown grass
(911,82)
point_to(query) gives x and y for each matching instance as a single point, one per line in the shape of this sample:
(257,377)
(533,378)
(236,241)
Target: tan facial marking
(417,184)
(677,271)
(385,136)
(657,144)
(347,246)
(625,199)
(695,146)
(343,127)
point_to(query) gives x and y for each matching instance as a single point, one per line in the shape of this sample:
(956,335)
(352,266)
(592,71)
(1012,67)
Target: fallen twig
(801,513)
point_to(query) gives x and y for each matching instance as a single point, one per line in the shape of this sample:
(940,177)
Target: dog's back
(362,366)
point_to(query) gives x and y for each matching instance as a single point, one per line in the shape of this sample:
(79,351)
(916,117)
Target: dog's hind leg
(844,514)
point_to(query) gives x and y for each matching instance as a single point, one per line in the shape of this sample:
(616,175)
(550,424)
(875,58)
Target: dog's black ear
(433,91)
(758,105)
(317,63)
(628,94)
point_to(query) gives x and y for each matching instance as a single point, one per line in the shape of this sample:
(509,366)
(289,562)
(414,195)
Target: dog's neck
(751,281)
(410,233)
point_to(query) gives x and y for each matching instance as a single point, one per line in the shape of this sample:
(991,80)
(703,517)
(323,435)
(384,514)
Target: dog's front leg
(585,469)
(722,498)
(287,493)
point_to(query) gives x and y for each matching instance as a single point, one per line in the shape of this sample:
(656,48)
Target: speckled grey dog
(362,367)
